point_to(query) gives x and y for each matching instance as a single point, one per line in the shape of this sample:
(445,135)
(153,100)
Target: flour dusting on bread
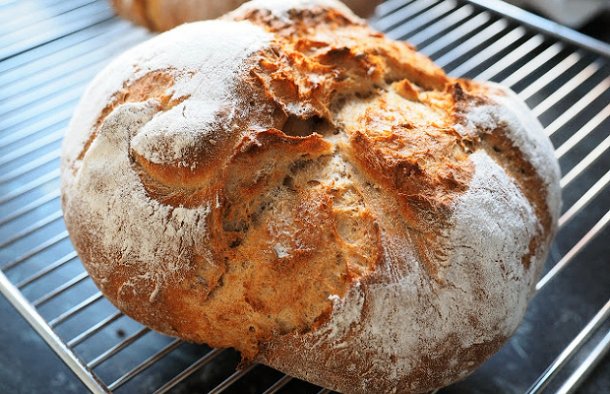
(120,217)
(507,111)
(205,71)
(290,183)
(486,285)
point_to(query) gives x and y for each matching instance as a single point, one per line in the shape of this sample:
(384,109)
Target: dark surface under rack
(50,49)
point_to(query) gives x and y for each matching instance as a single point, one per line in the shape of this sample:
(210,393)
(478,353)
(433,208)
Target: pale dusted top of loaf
(291,183)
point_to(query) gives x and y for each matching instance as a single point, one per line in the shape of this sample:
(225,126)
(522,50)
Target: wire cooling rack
(50,49)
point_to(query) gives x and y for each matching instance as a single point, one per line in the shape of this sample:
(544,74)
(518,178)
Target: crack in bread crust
(290,236)
(499,146)
(154,85)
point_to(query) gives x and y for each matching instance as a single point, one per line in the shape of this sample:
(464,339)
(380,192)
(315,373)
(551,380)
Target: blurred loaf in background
(162,15)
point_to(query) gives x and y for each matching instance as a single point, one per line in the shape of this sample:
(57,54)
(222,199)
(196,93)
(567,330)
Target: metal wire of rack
(44,66)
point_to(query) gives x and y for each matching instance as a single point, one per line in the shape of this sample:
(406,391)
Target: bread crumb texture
(290,183)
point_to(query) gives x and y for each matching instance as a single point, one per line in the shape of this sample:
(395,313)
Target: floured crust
(326,201)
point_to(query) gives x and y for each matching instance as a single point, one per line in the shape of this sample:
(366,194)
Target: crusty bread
(325,200)
(162,15)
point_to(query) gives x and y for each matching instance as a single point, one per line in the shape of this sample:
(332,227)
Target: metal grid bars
(44,67)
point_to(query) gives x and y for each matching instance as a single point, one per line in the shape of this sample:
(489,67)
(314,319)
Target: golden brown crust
(329,178)
(276,224)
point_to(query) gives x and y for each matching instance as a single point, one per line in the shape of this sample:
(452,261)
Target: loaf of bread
(162,15)
(290,183)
